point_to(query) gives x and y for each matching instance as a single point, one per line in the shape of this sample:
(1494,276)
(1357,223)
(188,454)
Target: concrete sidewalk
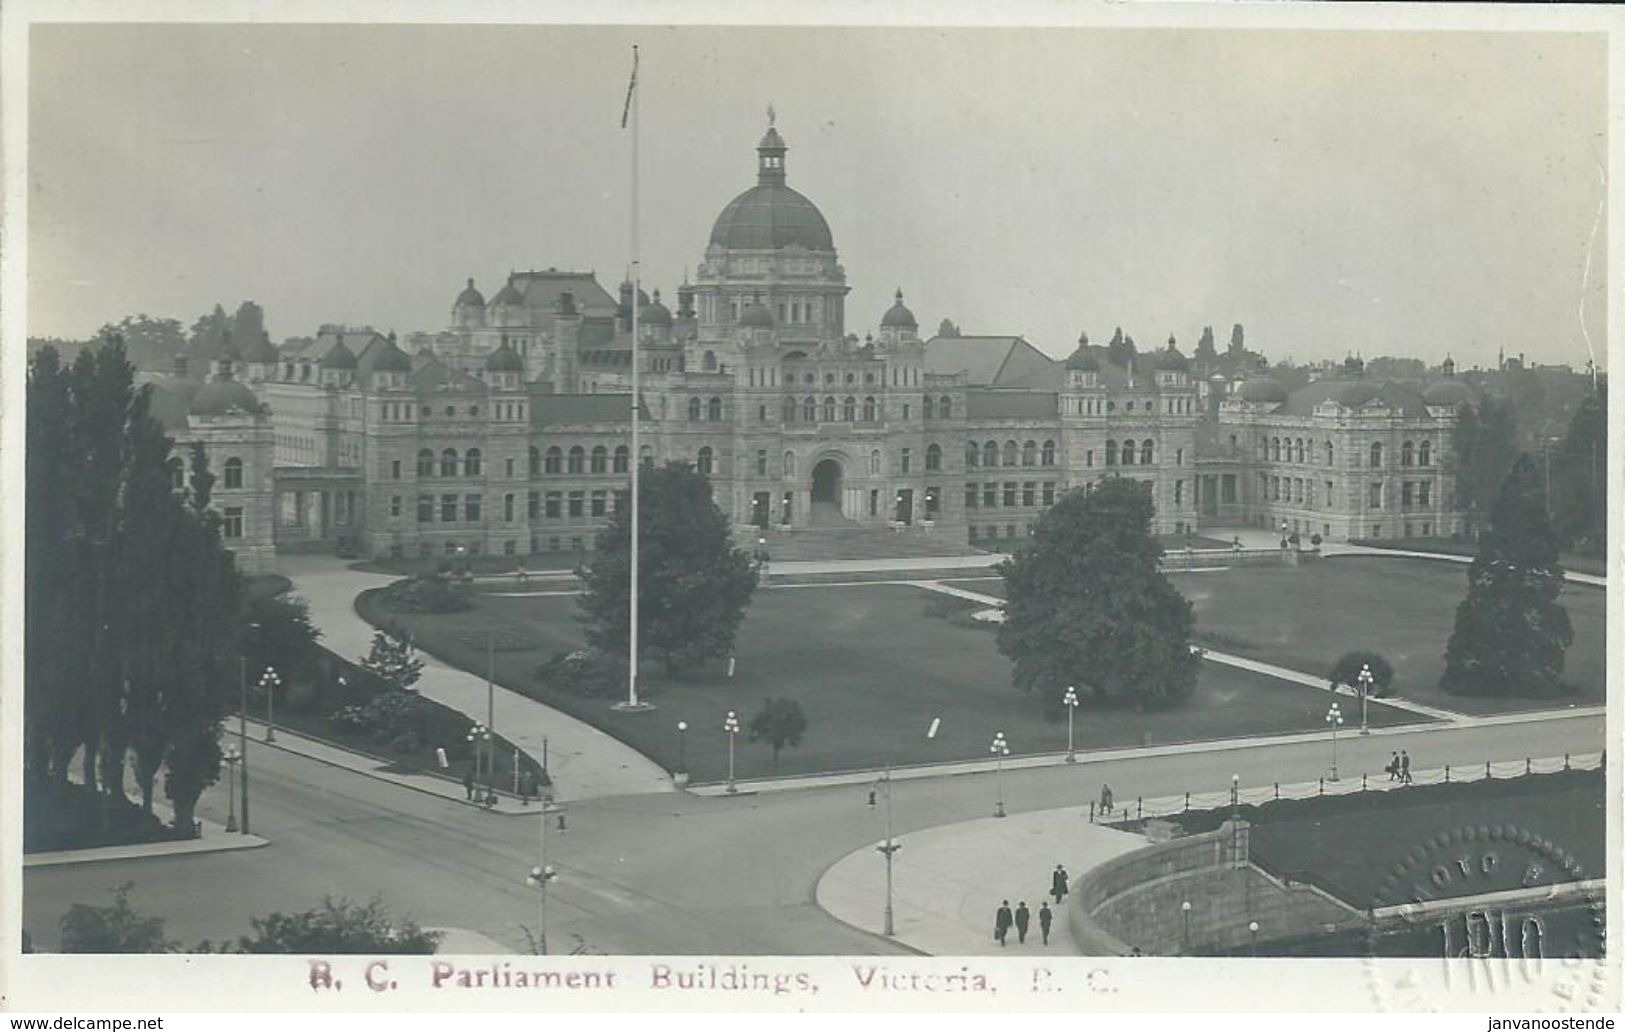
(583,761)
(949,880)
(215,839)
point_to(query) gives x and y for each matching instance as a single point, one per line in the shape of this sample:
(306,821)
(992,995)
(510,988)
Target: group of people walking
(1399,768)
(1021,918)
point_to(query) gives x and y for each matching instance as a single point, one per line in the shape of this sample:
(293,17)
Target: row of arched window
(711,410)
(1290,449)
(1125,457)
(1029,454)
(579,460)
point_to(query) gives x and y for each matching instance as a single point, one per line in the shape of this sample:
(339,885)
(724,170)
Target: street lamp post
(1235,794)
(891,846)
(1366,679)
(682,752)
(1000,749)
(242,729)
(731,727)
(1185,911)
(232,757)
(1070,701)
(541,874)
(270,681)
(490,711)
(479,736)
(1252,931)
(1334,718)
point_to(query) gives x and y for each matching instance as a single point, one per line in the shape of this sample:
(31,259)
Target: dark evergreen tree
(1486,447)
(693,585)
(1580,482)
(1089,607)
(1511,631)
(394,658)
(1204,347)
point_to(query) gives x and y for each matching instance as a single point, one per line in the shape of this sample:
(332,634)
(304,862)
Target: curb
(227,841)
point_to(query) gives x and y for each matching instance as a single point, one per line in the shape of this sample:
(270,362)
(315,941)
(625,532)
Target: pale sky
(1416,194)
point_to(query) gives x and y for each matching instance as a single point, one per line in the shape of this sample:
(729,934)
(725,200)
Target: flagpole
(637,452)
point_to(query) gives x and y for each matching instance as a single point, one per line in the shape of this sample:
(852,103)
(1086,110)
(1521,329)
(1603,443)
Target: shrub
(429,593)
(1347,671)
(113,929)
(587,672)
(407,742)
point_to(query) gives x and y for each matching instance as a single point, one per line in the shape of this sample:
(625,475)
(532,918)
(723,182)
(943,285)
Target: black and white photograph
(521,511)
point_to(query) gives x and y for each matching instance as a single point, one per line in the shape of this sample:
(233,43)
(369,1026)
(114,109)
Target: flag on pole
(626,109)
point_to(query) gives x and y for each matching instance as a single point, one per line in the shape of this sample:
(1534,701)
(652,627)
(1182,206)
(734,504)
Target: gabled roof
(434,376)
(992,361)
(1017,404)
(578,409)
(1355,394)
(541,289)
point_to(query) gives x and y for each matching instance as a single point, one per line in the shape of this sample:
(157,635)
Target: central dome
(770,215)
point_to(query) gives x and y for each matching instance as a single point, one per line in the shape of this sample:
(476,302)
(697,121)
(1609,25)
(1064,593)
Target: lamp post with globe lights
(233,756)
(543,872)
(1070,701)
(1252,931)
(1366,679)
(1000,749)
(1185,912)
(479,736)
(1334,719)
(731,728)
(682,758)
(270,681)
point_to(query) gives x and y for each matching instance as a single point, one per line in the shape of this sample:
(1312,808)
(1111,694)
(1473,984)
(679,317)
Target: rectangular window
(1376,497)
(1009,494)
(471,507)
(395,470)
(578,504)
(622,500)
(1089,457)
(990,496)
(1179,492)
(1407,492)
(908,456)
(555,505)
(970,496)
(533,505)
(448,508)
(507,467)
(507,507)
(761,462)
(425,508)
(394,505)
(1424,495)
(1029,493)
(1049,493)
(600,503)
(234,521)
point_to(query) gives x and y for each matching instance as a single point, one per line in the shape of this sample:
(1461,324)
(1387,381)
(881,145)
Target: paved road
(659,873)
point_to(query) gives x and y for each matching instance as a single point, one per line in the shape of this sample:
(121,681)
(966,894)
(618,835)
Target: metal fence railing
(1140,807)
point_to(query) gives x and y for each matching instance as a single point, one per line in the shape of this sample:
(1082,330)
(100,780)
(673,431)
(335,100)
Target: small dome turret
(898,314)
(223,397)
(1170,358)
(1082,360)
(471,297)
(504,360)
(508,295)
(655,313)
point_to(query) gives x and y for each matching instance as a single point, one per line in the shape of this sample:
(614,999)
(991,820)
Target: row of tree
(152,342)
(132,603)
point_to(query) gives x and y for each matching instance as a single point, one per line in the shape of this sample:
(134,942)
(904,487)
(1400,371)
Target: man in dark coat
(1058,884)
(1045,916)
(1405,767)
(468,784)
(1002,922)
(1393,768)
(1024,917)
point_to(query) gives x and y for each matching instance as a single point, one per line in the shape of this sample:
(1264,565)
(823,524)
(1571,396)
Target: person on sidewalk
(1106,800)
(1045,916)
(1024,917)
(1002,922)
(1405,767)
(1058,884)
(468,784)
(1393,768)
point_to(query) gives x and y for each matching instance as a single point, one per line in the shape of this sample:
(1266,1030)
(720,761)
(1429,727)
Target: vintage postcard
(529,507)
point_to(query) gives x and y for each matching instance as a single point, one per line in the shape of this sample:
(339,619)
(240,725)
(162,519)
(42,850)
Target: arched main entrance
(826,483)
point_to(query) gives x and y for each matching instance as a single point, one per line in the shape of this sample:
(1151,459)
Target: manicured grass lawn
(871,669)
(1304,617)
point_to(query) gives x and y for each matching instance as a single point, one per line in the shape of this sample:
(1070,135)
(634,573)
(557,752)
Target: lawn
(871,669)
(1304,617)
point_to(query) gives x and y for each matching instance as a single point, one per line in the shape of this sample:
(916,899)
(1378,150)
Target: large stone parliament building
(508,433)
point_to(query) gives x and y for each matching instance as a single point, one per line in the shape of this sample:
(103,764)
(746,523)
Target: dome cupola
(470,297)
(898,315)
(770,215)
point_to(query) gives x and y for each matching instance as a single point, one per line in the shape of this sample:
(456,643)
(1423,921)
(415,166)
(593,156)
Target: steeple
(770,154)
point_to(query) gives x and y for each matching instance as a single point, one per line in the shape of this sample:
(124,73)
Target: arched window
(874,463)
(1299,449)
(1111,452)
(990,454)
(448,462)
(809,410)
(849,409)
(1009,453)
(177,473)
(471,463)
(868,410)
(1376,454)
(1275,449)
(1029,453)
(713,410)
(1425,454)
(425,463)
(693,410)
(623,459)
(829,410)
(945,407)
(535,461)
(930,407)
(578,459)
(234,472)
(555,460)
(600,459)
(1407,454)
(789,410)
(933,457)
(789,463)
(1128,453)
(1329,453)
(1145,452)
(709,362)
(972,454)
(704,462)
(646,456)
(1049,453)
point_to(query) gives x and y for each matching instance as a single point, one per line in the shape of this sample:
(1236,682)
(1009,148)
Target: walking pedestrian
(468,784)
(1045,916)
(1393,768)
(1058,884)
(1105,799)
(1405,767)
(1024,918)
(1002,922)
